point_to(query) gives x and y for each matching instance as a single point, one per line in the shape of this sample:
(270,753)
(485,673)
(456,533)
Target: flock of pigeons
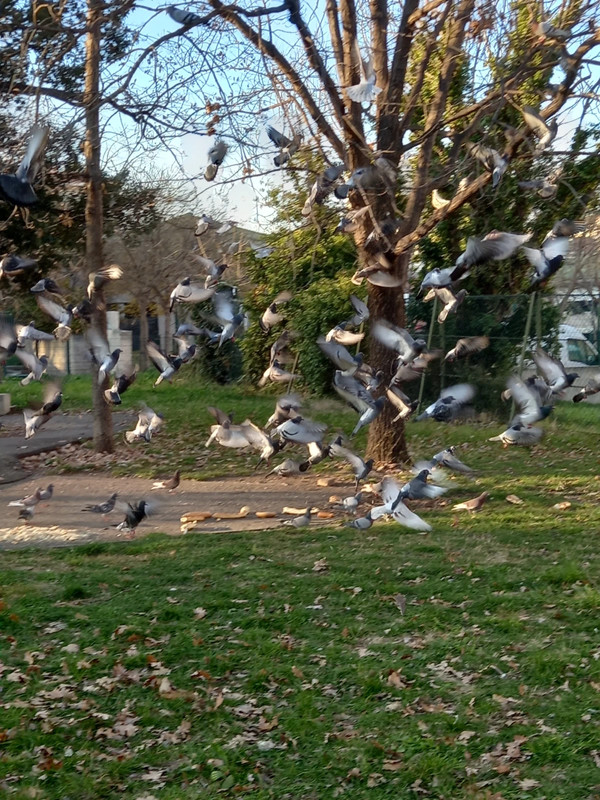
(358,384)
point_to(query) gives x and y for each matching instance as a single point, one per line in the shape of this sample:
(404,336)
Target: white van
(578,355)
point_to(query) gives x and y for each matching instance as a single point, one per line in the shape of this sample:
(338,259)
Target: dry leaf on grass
(516,501)
(321,565)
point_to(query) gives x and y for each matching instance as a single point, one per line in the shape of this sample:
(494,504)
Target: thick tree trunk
(387,439)
(103,428)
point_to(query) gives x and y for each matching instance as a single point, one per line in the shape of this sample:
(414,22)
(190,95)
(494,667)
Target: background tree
(445,75)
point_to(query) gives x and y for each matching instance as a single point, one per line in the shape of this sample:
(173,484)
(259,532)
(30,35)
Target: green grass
(296,683)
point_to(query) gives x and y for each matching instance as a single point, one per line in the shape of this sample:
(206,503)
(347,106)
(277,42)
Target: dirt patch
(61,521)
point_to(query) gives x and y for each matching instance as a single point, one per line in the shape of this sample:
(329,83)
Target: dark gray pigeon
(451,400)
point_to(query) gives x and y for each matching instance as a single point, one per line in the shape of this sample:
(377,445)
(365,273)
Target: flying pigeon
(277,374)
(63,316)
(551,256)
(490,159)
(287,147)
(103,508)
(323,187)
(495,246)
(340,356)
(302,430)
(357,396)
(188,292)
(186,18)
(134,514)
(467,346)
(360,467)
(36,366)
(340,335)
(119,387)
(25,332)
(83,310)
(527,403)
(437,278)
(34,419)
(186,351)
(437,201)
(273,316)
(546,30)
(553,371)
(519,434)
(361,312)
(12,265)
(17,189)
(451,400)
(98,280)
(449,300)
(171,484)
(447,458)
(398,339)
(546,188)
(546,132)
(394,507)
(105,360)
(591,387)
(403,404)
(216,154)
(419,489)
(149,422)
(351,220)
(166,366)
(290,468)
(365,91)
(46,285)
(287,407)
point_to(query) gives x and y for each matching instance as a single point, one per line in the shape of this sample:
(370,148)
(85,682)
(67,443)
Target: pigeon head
(571,377)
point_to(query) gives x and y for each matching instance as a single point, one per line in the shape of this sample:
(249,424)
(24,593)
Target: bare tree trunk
(143,305)
(103,428)
(387,439)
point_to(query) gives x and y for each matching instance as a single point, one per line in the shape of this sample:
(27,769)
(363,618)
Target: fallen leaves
(321,565)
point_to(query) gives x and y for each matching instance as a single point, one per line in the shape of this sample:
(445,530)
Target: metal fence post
(429,339)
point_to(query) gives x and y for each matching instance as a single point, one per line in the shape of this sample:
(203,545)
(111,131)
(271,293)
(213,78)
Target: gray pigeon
(553,371)
(17,189)
(520,435)
(216,155)
(360,467)
(591,387)
(490,159)
(103,508)
(186,18)
(451,400)
(419,489)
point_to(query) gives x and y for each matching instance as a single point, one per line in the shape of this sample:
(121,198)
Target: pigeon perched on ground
(300,522)
(216,155)
(476,504)
(46,494)
(17,189)
(360,468)
(447,458)
(170,484)
(591,387)
(451,400)
(12,265)
(519,434)
(134,514)
(553,371)
(103,508)
(27,513)
(290,468)
(287,147)
(29,500)
(362,523)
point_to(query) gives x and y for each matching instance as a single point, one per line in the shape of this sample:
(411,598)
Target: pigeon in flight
(34,419)
(103,508)
(18,189)
(437,279)
(467,346)
(188,292)
(105,360)
(134,514)
(98,280)
(447,458)
(490,159)
(216,155)
(403,404)
(360,467)
(148,423)
(398,339)
(474,505)
(361,312)
(495,246)
(166,365)
(277,374)
(449,300)
(12,265)
(290,468)
(36,366)
(186,18)
(322,187)
(287,407)
(119,387)
(273,316)
(546,132)
(591,387)
(365,91)
(340,335)
(301,430)
(287,147)
(419,489)
(520,435)
(527,402)
(546,188)
(394,507)
(340,356)
(553,371)
(358,397)
(551,256)
(451,400)
(25,332)
(63,316)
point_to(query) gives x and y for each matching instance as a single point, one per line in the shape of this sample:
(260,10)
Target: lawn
(307,665)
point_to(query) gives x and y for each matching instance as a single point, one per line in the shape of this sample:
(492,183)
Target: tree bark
(387,439)
(103,428)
